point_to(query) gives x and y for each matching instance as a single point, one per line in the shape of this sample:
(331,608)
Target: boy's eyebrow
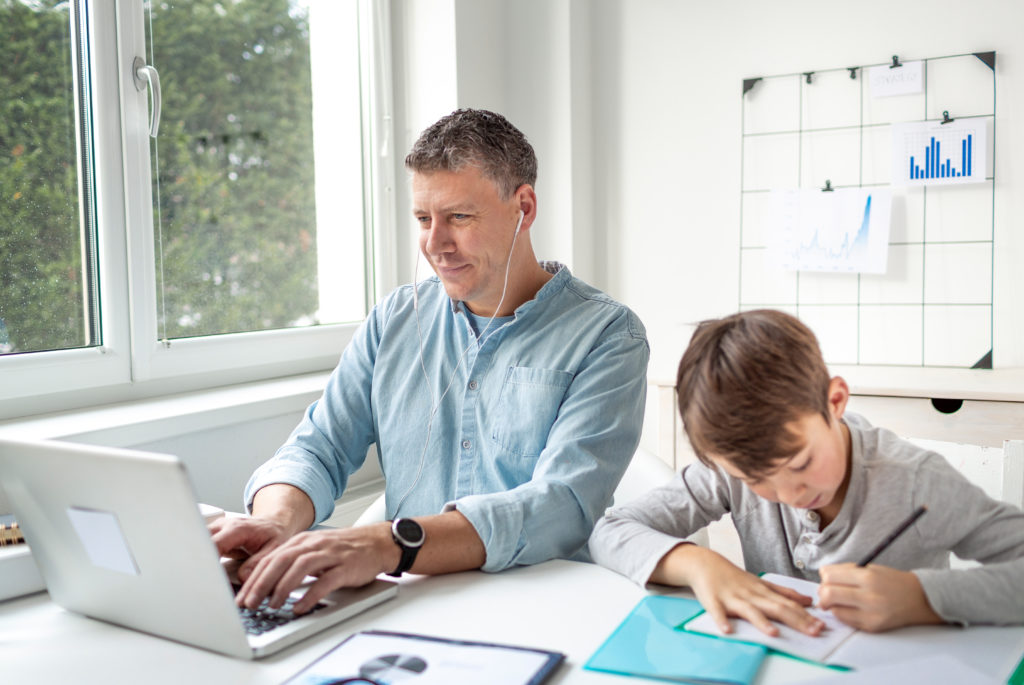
(796,457)
(775,466)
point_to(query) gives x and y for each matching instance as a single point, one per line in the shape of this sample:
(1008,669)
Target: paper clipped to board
(845,230)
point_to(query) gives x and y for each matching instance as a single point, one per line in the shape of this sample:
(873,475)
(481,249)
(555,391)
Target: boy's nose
(791,493)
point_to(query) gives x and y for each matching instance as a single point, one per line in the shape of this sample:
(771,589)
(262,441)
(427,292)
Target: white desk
(562,605)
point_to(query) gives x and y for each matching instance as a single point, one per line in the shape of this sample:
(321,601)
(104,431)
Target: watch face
(410,532)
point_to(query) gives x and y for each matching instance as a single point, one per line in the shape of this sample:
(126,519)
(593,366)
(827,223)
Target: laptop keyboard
(263,618)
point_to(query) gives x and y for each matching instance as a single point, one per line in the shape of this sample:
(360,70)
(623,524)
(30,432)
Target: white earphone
(423,367)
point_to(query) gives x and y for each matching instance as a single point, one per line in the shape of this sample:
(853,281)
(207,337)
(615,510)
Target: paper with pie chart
(406,659)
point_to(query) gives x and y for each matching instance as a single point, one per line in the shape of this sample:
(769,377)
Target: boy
(810,490)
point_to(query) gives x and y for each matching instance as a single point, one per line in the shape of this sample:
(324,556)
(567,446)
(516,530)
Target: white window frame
(132,362)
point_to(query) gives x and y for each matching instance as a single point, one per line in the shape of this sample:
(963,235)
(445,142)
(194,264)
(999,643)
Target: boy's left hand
(874,598)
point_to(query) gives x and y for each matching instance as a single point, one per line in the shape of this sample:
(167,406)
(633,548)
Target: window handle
(144,74)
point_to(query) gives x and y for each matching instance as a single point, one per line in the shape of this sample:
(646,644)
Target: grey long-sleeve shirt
(889,478)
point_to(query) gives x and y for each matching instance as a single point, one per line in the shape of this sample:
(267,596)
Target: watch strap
(408,550)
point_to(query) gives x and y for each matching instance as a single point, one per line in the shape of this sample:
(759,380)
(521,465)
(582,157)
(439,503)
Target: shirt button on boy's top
(812,516)
(799,563)
(473,385)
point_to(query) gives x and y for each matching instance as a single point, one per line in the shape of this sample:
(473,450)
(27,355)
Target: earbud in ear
(519,225)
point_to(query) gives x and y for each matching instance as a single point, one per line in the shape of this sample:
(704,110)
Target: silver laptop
(118,536)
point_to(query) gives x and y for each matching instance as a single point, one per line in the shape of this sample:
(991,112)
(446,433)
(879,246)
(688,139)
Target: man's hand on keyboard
(246,538)
(345,557)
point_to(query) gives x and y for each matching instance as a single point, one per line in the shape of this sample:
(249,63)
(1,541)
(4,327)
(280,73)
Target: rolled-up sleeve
(332,439)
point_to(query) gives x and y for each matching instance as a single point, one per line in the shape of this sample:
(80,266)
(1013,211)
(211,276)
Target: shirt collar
(556,283)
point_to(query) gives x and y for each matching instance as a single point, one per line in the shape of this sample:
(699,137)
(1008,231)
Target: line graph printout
(930,153)
(845,230)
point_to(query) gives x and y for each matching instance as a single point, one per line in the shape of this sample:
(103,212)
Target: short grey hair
(476,137)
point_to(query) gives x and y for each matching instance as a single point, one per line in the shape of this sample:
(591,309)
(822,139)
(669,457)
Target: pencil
(893,535)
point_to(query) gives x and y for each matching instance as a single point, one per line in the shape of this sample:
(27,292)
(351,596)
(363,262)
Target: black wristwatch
(409,537)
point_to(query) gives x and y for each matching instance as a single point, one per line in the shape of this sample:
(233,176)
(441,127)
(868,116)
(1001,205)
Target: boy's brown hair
(742,380)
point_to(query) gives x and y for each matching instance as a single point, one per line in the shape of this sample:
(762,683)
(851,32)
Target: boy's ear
(838,396)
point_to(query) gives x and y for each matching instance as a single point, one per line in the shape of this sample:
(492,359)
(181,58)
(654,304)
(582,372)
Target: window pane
(45,294)
(235,174)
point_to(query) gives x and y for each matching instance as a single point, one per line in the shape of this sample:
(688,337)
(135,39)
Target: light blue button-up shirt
(541,418)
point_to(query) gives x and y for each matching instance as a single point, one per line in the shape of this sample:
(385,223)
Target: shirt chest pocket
(528,405)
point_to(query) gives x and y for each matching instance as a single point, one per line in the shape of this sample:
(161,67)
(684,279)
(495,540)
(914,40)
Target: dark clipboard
(551,659)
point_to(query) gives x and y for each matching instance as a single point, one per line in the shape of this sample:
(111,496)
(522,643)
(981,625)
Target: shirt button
(799,564)
(466,444)
(473,385)
(812,516)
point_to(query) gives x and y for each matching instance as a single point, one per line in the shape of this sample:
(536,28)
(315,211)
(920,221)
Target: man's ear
(526,201)
(838,396)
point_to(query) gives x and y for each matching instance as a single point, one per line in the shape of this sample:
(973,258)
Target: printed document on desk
(388,657)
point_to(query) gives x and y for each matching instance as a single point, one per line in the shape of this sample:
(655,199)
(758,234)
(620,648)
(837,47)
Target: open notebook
(117,536)
(789,641)
(992,650)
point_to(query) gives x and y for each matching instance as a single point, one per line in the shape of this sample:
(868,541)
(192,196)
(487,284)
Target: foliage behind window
(236,224)
(41,299)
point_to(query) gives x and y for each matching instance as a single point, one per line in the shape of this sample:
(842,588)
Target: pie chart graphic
(392,668)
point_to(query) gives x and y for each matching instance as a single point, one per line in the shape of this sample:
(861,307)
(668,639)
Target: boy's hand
(725,590)
(874,598)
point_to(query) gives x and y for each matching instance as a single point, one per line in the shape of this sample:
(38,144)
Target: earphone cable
(483,341)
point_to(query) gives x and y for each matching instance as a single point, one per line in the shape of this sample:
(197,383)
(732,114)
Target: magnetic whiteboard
(933,306)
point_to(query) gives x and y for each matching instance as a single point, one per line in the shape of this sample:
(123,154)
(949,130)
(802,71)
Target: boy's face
(816,476)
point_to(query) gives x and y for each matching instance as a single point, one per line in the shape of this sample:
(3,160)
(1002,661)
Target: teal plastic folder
(647,644)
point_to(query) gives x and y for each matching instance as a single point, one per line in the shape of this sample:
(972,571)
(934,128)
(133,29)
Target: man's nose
(438,238)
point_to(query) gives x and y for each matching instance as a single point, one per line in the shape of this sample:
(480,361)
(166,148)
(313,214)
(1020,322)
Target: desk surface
(568,606)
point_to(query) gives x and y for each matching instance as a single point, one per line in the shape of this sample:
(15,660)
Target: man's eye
(460,217)
(423,219)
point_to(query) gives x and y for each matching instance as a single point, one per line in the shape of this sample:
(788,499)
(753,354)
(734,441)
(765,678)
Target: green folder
(1017,677)
(646,644)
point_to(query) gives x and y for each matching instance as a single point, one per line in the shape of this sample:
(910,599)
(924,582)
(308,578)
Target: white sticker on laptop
(104,542)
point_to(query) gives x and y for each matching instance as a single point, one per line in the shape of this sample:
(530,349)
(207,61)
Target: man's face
(466,233)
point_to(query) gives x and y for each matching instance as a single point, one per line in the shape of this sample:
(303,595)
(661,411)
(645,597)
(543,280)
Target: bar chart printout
(930,153)
(846,230)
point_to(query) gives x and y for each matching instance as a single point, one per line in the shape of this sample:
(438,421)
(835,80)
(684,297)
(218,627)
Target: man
(503,393)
